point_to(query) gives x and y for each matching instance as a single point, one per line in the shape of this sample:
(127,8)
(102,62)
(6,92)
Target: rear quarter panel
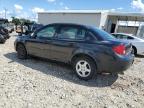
(100,52)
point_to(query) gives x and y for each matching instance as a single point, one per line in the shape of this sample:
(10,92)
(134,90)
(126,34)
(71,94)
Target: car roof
(123,34)
(73,24)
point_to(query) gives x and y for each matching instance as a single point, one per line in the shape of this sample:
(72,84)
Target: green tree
(16,21)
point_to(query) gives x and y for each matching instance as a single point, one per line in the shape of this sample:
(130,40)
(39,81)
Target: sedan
(137,43)
(88,49)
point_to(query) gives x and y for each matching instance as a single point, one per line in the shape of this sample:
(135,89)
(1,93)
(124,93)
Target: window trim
(88,31)
(79,28)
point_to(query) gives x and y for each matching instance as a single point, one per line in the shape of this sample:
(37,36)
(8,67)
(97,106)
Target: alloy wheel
(83,68)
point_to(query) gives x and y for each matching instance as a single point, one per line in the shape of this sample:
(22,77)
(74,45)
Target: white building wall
(93,19)
(103,22)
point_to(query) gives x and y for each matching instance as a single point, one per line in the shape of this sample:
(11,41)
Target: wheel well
(135,49)
(82,55)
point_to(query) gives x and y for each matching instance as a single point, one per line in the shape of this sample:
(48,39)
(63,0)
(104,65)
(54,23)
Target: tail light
(120,49)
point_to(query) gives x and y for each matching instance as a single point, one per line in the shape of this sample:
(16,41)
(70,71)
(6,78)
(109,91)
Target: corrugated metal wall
(80,18)
(127,29)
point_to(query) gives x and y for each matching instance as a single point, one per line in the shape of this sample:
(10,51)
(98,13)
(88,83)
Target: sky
(28,8)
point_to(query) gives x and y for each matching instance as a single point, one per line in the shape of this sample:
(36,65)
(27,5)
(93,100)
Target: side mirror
(28,32)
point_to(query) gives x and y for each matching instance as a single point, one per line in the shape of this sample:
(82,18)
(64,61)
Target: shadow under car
(62,71)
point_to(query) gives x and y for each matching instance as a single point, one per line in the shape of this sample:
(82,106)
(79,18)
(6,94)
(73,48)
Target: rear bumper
(118,64)
(122,64)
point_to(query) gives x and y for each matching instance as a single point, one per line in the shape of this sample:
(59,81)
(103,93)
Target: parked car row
(88,49)
(4,34)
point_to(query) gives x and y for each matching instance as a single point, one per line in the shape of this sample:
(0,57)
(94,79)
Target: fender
(88,53)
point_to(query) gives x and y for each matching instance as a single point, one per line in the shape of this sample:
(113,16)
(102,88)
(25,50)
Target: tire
(134,50)
(2,40)
(84,67)
(21,51)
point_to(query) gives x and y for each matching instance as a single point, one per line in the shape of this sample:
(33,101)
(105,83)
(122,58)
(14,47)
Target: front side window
(68,33)
(47,32)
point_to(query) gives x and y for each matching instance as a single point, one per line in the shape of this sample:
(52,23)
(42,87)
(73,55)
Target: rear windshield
(104,35)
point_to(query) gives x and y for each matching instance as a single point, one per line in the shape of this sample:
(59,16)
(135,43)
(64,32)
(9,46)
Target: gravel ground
(35,83)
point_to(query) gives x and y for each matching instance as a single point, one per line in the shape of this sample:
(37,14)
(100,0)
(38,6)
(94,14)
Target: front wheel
(2,39)
(21,51)
(84,67)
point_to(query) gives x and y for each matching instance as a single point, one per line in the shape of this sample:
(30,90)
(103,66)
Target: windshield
(103,34)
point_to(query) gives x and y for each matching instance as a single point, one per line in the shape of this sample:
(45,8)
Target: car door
(39,44)
(66,42)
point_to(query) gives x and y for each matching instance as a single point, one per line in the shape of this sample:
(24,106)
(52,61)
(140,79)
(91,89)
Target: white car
(137,43)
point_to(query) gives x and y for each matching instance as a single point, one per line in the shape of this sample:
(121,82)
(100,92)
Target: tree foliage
(22,21)
(16,21)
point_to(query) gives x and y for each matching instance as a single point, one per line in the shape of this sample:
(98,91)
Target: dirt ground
(35,83)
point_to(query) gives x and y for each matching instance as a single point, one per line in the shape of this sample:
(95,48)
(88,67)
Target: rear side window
(104,35)
(75,33)
(90,37)
(68,33)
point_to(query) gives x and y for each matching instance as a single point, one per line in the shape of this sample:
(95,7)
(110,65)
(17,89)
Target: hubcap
(83,68)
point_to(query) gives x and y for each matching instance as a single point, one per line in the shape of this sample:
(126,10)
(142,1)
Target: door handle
(71,44)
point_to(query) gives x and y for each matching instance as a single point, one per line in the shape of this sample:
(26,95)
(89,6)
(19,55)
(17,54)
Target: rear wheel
(21,51)
(84,67)
(134,50)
